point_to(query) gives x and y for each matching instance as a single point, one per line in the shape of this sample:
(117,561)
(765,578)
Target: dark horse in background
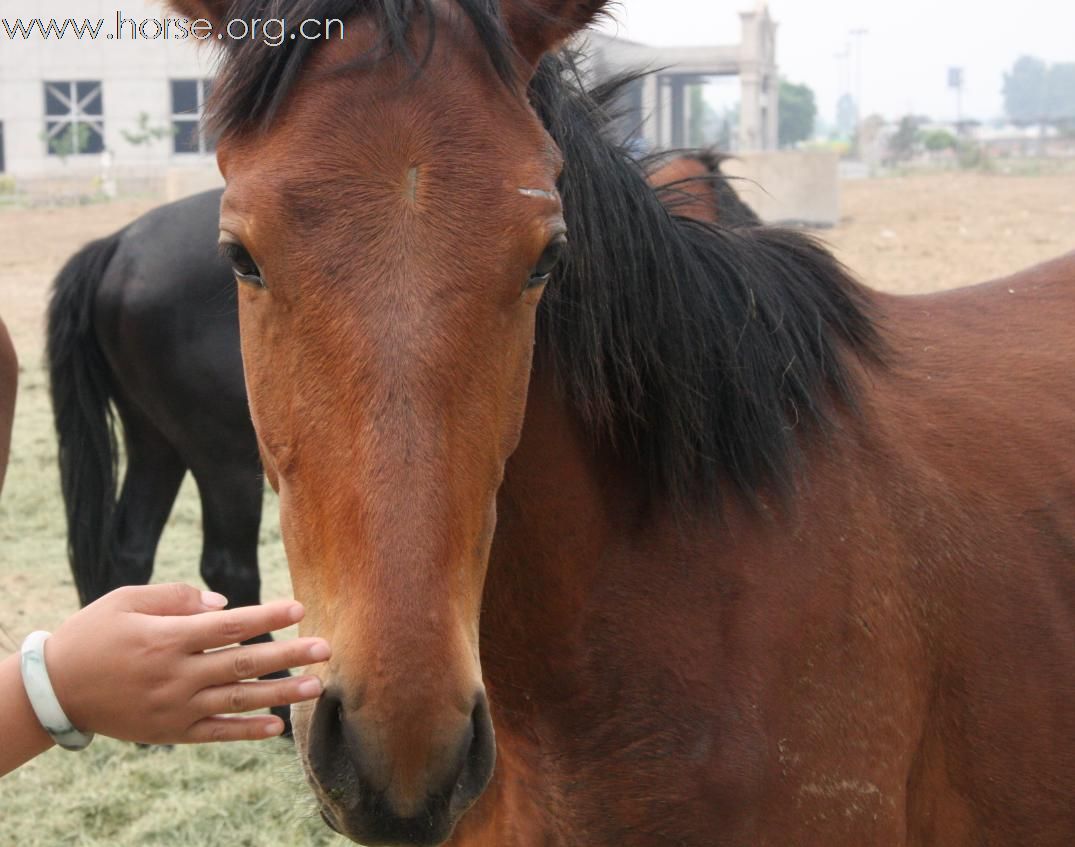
(145,321)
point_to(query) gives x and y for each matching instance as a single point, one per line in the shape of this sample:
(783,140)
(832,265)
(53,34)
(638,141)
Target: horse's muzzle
(360,801)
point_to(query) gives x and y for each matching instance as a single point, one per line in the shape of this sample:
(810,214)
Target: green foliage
(798,112)
(847,116)
(145,134)
(901,146)
(938,139)
(973,157)
(73,140)
(1037,92)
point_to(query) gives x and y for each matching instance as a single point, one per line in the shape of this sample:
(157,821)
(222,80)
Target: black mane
(700,353)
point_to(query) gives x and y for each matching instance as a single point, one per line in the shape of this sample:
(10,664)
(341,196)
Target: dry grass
(905,234)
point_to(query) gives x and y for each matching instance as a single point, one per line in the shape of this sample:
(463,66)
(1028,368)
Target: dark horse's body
(146,319)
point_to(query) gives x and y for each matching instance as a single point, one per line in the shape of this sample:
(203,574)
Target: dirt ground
(907,234)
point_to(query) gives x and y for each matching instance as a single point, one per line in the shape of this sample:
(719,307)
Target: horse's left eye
(242,263)
(552,256)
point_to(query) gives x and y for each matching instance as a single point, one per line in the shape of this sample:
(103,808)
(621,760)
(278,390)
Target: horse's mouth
(330,820)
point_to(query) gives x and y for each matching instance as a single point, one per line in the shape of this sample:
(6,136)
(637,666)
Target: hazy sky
(905,56)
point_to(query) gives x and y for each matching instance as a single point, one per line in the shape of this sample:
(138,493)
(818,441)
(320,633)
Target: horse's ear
(214,11)
(538,26)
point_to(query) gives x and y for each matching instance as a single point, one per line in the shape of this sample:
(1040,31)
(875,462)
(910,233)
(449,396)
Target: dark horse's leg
(231,495)
(154,473)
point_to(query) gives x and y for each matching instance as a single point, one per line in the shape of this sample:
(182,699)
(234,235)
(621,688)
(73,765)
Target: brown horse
(9,382)
(692,185)
(753,556)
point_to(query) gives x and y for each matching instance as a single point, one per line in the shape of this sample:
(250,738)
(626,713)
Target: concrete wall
(135,75)
(789,186)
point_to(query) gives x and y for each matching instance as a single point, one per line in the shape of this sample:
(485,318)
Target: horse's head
(392,226)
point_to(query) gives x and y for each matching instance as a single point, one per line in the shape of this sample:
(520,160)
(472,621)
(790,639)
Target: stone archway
(659,105)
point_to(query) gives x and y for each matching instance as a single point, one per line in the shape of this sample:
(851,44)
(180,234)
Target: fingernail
(319,651)
(214,600)
(273,728)
(310,687)
(296,613)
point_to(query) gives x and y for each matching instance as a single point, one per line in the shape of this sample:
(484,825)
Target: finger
(169,599)
(242,697)
(231,728)
(236,663)
(219,629)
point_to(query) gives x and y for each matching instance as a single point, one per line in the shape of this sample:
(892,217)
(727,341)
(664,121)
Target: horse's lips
(326,816)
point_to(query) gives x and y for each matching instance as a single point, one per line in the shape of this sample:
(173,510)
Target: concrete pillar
(759,112)
(664,111)
(772,115)
(651,110)
(749,111)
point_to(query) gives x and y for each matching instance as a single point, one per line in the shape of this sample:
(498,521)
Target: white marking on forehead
(539,193)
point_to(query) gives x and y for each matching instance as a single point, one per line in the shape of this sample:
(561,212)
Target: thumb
(173,598)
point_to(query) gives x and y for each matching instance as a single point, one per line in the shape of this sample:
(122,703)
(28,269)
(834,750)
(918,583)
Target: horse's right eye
(242,263)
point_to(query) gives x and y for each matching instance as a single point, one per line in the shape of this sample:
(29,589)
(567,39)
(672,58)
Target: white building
(123,105)
(65,100)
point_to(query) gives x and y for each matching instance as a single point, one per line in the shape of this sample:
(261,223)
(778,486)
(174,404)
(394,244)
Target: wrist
(22,734)
(42,696)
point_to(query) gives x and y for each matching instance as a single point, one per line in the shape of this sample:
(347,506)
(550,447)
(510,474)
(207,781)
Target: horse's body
(703,193)
(890,662)
(9,381)
(729,549)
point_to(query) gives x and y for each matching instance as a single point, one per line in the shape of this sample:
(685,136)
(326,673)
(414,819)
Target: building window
(74,118)
(188,104)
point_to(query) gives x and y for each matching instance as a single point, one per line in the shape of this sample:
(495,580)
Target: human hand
(132,665)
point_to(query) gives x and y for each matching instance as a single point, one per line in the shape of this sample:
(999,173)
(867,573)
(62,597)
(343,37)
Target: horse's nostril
(326,749)
(353,773)
(479,760)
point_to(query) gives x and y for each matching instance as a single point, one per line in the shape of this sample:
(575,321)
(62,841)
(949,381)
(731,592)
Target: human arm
(133,666)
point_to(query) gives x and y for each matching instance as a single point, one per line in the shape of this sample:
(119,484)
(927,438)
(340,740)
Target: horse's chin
(340,811)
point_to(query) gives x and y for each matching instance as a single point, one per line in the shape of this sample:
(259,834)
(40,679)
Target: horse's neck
(556,513)
(574,544)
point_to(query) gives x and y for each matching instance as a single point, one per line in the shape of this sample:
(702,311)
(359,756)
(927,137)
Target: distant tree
(1037,92)
(74,139)
(939,139)
(798,112)
(1062,94)
(847,116)
(703,119)
(145,134)
(1026,90)
(902,144)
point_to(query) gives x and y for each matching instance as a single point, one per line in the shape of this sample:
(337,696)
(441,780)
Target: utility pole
(858,34)
(955,81)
